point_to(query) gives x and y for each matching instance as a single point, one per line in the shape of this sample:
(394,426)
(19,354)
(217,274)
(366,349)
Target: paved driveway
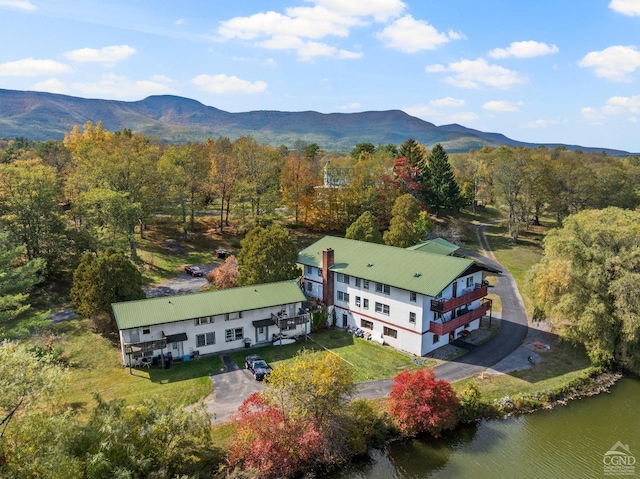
(230,389)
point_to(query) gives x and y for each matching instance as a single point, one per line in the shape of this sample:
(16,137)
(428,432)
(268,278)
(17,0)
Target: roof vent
(369,265)
(417,275)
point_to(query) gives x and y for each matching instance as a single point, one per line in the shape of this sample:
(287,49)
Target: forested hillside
(172,119)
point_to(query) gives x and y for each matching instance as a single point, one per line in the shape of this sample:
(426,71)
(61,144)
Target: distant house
(417,301)
(436,246)
(210,322)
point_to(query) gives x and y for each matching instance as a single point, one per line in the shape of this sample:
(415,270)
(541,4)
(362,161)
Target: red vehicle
(194,270)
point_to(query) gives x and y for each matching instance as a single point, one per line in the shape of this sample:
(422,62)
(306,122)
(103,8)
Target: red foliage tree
(407,176)
(225,276)
(267,440)
(421,403)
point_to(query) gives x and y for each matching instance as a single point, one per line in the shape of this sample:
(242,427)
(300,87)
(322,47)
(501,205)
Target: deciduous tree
(421,403)
(365,228)
(588,283)
(267,255)
(403,231)
(225,276)
(102,279)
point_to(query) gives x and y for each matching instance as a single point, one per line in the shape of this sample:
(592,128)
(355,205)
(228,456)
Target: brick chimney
(327,277)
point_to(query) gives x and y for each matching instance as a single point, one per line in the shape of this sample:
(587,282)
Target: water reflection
(568,442)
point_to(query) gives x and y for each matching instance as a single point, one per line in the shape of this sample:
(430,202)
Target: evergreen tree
(403,231)
(415,154)
(444,192)
(365,228)
(267,255)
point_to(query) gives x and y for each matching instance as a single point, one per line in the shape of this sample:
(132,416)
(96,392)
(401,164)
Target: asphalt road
(184,283)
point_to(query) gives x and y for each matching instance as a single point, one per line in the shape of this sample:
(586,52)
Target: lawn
(370,360)
(95,367)
(558,367)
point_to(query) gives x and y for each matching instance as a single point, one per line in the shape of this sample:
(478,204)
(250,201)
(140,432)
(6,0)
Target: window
(309,286)
(390,332)
(413,297)
(343,278)
(233,334)
(206,339)
(366,324)
(342,296)
(412,318)
(146,331)
(232,316)
(383,288)
(366,303)
(358,301)
(365,283)
(358,282)
(319,271)
(205,320)
(308,269)
(469,281)
(436,338)
(382,308)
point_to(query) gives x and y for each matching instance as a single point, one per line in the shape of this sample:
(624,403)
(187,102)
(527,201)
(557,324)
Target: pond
(566,442)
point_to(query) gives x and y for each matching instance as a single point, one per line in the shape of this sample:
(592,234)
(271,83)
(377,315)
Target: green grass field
(94,367)
(558,367)
(370,360)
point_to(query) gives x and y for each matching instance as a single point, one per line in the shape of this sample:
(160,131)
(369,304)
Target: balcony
(284,322)
(442,329)
(446,305)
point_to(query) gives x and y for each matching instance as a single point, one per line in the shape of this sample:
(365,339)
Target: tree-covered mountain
(173,119)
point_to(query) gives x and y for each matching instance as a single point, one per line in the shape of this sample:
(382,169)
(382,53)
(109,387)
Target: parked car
(194,270)
(257,366)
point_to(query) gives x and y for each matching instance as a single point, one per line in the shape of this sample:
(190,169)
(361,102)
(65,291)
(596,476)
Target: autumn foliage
(421,403)
(225,276)
(272,442)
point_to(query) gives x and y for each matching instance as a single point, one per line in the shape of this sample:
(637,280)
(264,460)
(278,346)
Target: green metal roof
(435,246)
(424,273)
(147,312)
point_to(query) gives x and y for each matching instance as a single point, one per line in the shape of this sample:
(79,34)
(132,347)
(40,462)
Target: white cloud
(301,28)
(306,22)
(121,87)
(501,105)
(614,63)
(447,102)
(540,123)
(30,67)
(108,55)
(181,21)
(526,49)
(409,35)
(307,50)
(626,7)
(19,4)
(52,85)
(614,106)
(476,73)
(228,84)
(440,110)
(380,10)
(350,106)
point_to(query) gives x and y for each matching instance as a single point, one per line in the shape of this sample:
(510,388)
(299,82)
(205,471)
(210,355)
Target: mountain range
(173,119)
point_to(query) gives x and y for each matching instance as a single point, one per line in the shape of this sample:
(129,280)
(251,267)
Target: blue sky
(538,71)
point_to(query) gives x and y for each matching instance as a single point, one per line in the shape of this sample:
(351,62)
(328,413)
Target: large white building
(211,322)
(416,301)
